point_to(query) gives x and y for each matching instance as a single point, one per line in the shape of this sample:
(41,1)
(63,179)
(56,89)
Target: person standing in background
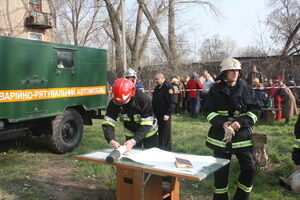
(254,74)
(277,99)
(207,84)
(289,106)
(163,103)
(177,94)
(185,98)
(194,87)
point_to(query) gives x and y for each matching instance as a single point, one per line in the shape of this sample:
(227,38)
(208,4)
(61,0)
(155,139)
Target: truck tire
(67,129)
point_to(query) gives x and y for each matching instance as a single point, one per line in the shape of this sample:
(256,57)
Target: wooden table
(136,181)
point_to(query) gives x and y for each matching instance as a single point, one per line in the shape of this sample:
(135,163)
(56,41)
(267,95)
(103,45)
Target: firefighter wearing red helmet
(134,109)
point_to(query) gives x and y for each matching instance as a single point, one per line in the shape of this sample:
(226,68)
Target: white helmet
(294,179)
(130,73)
(230,64)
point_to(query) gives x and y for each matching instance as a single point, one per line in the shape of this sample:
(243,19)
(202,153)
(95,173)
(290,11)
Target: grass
(188,135)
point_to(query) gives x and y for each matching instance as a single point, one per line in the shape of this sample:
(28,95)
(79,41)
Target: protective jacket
(225,103)
(136,115)
(296,152)
(163,100)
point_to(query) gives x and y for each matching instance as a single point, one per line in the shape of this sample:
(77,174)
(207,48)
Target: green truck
(50,89)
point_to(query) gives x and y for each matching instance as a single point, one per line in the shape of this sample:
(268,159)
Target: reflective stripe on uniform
(107,118)
(216,142)
(151,133)
(147,121)
(223,112)
(137,118)
(212,115)
(252,116)
(125,117)
(245,188)
(245,143)
(109,121)
(221,190)
(131,134)
(297,143)
(235,145)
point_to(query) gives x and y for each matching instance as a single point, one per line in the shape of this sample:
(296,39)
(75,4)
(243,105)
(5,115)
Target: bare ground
(55,182)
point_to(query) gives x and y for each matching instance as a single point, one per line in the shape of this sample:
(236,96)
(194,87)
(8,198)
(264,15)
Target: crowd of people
(230,103)
(191,91)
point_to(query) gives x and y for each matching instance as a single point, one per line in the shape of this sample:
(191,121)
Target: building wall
(12,18)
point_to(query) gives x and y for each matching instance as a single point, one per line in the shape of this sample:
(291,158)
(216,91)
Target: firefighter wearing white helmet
(131,73)
(230,64)
(232,110)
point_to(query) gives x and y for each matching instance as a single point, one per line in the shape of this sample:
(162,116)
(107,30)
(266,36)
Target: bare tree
(137,37)
(169,50)
(214,49)
(80,18)
(250,51)
(171,32)
(284,21)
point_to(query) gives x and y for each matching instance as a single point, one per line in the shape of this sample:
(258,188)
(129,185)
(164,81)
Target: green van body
(41,80)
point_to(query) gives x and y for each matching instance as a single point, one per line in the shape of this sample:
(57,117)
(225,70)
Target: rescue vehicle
(51,89)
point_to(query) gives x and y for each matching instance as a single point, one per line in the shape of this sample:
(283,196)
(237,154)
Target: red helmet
(122,90)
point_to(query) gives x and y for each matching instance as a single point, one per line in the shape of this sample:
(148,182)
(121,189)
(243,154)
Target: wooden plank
(175,184)
(129,184)
(153,188)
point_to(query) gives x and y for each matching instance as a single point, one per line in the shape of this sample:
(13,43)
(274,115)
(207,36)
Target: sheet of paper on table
(161,159)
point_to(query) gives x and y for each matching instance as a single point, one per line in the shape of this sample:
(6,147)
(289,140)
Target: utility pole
(123,37)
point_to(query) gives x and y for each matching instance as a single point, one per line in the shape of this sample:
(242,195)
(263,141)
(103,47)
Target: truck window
(65,59)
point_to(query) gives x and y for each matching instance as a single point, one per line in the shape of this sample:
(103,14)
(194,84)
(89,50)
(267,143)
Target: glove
(229,133)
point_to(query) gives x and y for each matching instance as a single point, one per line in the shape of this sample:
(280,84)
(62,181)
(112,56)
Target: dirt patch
(54,182)
(57,183)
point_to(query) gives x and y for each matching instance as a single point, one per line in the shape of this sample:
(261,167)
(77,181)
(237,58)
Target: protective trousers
(245,180)
(164,133)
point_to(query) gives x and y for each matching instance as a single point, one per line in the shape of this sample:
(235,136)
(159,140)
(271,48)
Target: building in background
(31,19)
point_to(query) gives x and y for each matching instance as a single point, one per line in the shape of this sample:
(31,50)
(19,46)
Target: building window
(36,5)
(65,59)
(35,36)
(35,1)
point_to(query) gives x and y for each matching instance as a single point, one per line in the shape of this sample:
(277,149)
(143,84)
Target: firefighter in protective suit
(134,109)
(293,181)
(232,110)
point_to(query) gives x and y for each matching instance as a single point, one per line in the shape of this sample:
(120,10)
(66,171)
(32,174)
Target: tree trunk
(171,34)
(117,39)
(158,35)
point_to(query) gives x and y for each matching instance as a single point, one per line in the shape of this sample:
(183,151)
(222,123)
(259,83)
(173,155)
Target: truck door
(35,79)
(63,73)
